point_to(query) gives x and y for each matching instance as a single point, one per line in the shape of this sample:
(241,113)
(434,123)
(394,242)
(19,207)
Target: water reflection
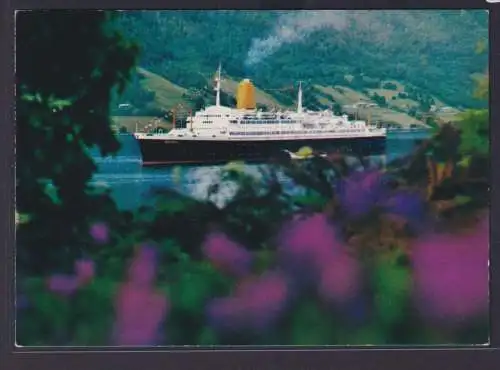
(130,183)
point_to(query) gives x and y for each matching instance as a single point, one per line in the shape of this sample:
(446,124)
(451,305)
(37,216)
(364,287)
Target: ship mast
(299,98)
(217,86)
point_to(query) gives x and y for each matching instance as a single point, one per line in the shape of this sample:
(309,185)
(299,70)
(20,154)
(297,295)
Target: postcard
(271,178)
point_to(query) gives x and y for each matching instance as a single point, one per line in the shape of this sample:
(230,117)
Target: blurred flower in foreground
(68,284)
(255,306)
(143,267)
(340,279)
(63,284)
(451,275)
(310,248)
(85,270)
(140,309)
(99,232)
(408,207)
(306,242)
(360,192)
(226,254)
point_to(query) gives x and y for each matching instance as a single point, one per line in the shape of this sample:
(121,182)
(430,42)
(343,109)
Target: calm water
(130,183)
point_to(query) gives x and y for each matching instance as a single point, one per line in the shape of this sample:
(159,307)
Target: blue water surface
(131,183)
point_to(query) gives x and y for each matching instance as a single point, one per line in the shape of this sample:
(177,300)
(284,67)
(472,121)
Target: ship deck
(301,136)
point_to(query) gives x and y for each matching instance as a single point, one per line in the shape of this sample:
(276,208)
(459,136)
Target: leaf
(58,104)
(465,162)
(481,47)
(264,259)
(207,337)
(192,290)
(474,126)
(310,326)
(22,218)
(461,200)
(312,199)
(392,284)
(482,86)
(172,205)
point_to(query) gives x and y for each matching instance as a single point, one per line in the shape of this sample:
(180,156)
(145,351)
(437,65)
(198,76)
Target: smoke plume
(373,26)
(294,27)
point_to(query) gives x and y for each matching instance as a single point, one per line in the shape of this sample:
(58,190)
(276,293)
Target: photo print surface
(252,178)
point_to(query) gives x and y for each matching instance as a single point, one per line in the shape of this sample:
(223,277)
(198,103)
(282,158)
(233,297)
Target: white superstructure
(218,123)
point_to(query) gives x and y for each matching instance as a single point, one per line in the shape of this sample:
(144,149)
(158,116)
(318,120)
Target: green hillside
(167,94)
(166,97)
(409,63)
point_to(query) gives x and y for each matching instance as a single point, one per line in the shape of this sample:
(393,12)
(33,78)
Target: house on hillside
(125,106)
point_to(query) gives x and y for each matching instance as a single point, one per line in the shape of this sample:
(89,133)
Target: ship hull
(172,151)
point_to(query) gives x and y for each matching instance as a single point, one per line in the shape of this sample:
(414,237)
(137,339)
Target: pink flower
(407,206)
(227,314)
(340,279)
(65,285)
(361,192)
(99,232)
(69,284)
(451,275)
(140,309)
(140,314)
(226,254)
(142,269)
(306,242)
(256,305)
(85,270)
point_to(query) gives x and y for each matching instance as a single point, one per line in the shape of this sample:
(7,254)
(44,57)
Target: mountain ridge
(409,63)
(435,51)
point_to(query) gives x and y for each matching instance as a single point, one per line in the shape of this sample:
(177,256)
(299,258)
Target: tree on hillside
(390,86)
(475,124)
(379,100)
(135,94)
(63,103)
(482,86)
(195,98)
(337,109)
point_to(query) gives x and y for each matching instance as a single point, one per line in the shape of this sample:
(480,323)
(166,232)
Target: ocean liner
(218,134)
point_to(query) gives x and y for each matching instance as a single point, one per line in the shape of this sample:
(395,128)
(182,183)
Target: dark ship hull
(159,151)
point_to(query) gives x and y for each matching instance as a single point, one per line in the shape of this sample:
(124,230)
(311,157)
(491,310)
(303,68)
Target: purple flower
(99,232)
(226,254)
(407,206)
(85,270)
(140,309)
(64,285)
(256,304)
(139,313)
(143,267)
(227,314)
(451,275)
(340,279)
(360,192)
(305,242)
(68,284)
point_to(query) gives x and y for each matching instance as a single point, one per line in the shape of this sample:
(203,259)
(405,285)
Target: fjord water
(131,184)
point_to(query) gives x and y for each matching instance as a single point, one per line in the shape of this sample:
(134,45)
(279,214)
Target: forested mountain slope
(433,54)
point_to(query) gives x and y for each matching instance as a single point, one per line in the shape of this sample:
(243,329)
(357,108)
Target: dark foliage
(58,119)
